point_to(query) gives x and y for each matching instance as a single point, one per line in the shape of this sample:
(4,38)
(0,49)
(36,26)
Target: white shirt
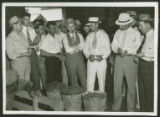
(129,40)
(52,44)
(40,44)
(69,49)
(16,43)
(148,47)
(102,47)
(31,31)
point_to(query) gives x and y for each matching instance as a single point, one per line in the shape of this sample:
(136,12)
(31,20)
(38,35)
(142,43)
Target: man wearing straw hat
(96,49)
(17,48)
(125,44)
(146,63)
(73,45)
(134,24)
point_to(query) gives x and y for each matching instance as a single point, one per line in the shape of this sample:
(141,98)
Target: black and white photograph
(80,58)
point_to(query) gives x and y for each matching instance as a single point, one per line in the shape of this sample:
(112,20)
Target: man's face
(124,27)
(52,29)
(86,29)
(93,27)
(143,27)
(134,23)
(71,27)
(18,26)
(26,20)
(41,30)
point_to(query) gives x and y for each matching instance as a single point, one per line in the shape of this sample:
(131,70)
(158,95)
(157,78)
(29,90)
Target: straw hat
(124,19)
(93,20)
(132,14)
(14,20)
(145,17)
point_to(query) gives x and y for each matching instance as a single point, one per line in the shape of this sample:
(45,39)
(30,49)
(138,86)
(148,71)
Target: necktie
(28,37)
(73,36)
(94,43)
(140,48)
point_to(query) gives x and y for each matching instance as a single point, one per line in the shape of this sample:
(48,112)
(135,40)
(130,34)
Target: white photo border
(82,4)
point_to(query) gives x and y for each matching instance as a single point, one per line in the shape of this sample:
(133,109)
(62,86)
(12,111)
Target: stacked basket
(53,91)
(72,98)
(95,101)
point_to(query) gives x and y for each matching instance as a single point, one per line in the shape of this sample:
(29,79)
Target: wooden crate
(22,101)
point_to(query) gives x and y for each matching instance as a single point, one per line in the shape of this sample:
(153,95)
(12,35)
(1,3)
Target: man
(86,29)
(146,63)
(30,34)
(51,48)
(39,28)
(96,50)
(73,45)
(134,24)
(125,44)
(17,48)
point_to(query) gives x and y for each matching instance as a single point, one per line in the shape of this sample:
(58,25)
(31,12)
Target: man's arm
(47,54)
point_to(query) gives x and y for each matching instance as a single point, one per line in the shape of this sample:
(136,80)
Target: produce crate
(22,101)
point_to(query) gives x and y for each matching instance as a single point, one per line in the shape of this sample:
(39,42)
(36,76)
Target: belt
(125,55)
(73,53)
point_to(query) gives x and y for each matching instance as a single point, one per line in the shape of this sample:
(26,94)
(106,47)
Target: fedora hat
(145,17)
(93,20)
(132,14)
(14,20)
(124,19)
(70,21)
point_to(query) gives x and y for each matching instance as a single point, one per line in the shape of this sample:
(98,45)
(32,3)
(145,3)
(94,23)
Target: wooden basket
(95,101)
(72,99)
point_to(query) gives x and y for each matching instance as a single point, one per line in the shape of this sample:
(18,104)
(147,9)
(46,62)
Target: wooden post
(35,103)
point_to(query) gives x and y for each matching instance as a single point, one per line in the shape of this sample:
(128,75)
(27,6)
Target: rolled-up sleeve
(107,46)
(114,44)
(81,45)
(86,47)
(10,49)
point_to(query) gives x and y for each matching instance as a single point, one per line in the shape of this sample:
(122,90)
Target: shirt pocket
(131,42)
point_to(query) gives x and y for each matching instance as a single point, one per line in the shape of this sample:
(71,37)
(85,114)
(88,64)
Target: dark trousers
(54,69)
(35,72)
(76,68)
(146,85)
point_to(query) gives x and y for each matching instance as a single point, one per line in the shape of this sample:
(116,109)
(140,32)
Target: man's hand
(24,54)
(136,59)
(76,50)
(91,58)
(124,53)
(141,54)
(119,51)
(99,58)
(61,57)
(112,60)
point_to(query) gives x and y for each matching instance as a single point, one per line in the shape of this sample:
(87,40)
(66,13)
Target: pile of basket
(53,91)
(95,101)
(74,99)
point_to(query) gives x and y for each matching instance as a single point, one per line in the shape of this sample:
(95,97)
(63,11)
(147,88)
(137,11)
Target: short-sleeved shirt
(16,43)
(52,44)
